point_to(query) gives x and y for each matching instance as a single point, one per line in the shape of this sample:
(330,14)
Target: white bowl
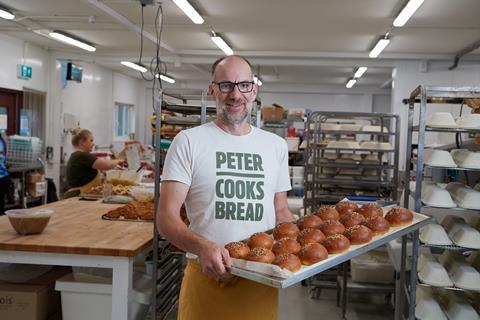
(449,258)
(350,127)
(465,236)
(474,260)
(434,234)
(450,221)
(434,274)
(468,198)
(471,161)
(429,309)
(470,121)
(465,277)
(439,158)
(375,145)
(423,259)
(436,196)
(441,119)
(343,144)
(459,155)
(460,310)
(453,187)
(374,128)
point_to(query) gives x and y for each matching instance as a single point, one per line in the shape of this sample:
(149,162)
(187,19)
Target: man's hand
(215,261)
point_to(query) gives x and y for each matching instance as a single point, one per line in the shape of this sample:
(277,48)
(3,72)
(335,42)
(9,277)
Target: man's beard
(233,119)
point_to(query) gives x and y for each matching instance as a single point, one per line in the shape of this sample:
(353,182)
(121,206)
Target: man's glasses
(227,86)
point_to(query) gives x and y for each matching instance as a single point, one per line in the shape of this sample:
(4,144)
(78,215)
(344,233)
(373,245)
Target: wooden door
(10,104)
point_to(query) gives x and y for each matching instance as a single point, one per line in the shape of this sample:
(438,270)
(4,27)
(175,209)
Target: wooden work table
(78,236)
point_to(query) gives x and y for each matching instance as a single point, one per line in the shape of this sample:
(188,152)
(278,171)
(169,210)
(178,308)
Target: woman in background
(4,176)
(83,169)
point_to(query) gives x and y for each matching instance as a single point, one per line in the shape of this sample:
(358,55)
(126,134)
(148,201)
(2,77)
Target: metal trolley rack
(333,173)
(423,96)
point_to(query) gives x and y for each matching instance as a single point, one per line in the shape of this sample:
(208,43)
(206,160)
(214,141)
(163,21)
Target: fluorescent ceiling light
(190,11)
(69,39)
(135,66)
(221,44)
(360,71)
(166,78)
(350,83)
(259,83)
(6,14)
(381,44)
(407,12)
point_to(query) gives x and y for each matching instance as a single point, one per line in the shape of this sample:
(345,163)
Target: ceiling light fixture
(135,66)
(350,83)
(407,12)
(360,71)
(71,40)
(165,77)
(190,11)
(381,44)
(221,44)
(5,14)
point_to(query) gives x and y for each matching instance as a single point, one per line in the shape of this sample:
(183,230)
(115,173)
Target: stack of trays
(370,128)
(375,145)
(466,159)
(462,158)
(345,144)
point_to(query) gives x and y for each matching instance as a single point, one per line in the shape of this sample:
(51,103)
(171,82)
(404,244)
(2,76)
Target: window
(124,122)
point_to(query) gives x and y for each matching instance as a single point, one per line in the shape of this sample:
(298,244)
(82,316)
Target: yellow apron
(204,298)
(86,187)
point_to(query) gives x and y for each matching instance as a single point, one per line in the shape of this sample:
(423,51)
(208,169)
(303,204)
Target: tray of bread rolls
(294,251)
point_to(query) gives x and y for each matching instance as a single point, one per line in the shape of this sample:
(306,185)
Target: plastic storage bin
(86,300)
(372,267)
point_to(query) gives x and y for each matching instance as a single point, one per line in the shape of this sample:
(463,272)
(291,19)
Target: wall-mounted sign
(24,71)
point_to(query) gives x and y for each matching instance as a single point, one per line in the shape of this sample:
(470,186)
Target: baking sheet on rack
(260,272)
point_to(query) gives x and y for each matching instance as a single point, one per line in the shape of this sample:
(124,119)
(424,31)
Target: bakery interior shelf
(452,168)
(446,288)
(350,132)
(442,129)
(449,247)
(321,161)
(356,149)
(187,109)
(424,97)
(357,164)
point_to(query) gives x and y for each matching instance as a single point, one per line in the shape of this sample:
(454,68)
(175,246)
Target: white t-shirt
(232,179)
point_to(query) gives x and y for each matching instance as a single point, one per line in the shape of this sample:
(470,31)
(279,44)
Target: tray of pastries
(134,211)
(294,251)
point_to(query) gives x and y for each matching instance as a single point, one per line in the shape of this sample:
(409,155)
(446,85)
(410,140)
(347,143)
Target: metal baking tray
(105,217)
(419,220)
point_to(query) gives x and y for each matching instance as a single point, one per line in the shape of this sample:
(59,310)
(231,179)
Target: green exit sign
(24,71)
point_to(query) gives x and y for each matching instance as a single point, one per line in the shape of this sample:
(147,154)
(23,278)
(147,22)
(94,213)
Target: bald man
(233,180)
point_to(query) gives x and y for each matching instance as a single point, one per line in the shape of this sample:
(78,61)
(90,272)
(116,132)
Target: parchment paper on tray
(264,268)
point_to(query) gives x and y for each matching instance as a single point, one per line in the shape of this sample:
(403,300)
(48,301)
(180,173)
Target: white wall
(408,77)
(13,52)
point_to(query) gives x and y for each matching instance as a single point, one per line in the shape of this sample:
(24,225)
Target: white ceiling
(289,42)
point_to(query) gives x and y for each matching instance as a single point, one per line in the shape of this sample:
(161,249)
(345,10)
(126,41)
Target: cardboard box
(35,300)
(272,113)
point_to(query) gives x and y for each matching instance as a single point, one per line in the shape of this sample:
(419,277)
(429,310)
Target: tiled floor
(296,304)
